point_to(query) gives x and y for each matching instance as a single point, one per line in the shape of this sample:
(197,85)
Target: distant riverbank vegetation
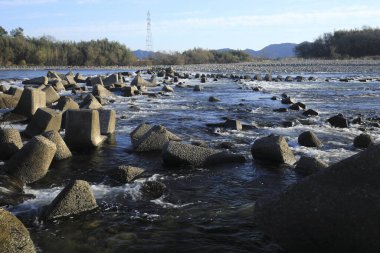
(16,49)
(343,44)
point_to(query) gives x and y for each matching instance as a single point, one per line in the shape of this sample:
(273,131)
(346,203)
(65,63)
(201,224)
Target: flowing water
(205,209)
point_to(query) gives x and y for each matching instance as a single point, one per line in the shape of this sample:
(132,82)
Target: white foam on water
(161,202)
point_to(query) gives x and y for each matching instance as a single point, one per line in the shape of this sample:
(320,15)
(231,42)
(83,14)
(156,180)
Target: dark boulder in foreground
(363,141)
(126,174)
(336,210)
(153,189)
(338,121)
(14,237)
(309,139)
(273,148)
(309,165)
(310,112)
(75,198)
(175,153)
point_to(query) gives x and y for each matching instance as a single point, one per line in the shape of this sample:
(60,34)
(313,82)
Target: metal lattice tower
(149,40)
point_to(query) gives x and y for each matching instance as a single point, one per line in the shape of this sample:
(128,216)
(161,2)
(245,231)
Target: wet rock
(280,110)
(101,91)
(90,102)
(167,88)
(155,139)
(268,78)
(153,189)
(95,80)
(309,139)
(274,98)
(226,145)
(295,107)
(309,165)
(335,210)
(139,132)
(228,124)
(126,174)
(14,236)
(75,198)
(79,78)
(312,78)
(10,143)
(83,129)
(357,120)
(213,99)
(203,79)
(130,91)
(45,119)
(30,101)
(38,80)
(111,79)
(363,141)
(107,121)
(197,88)
(287,101)
(310,112)
(338,121)
(200,143)
(62,152)
(32,161)
(299,78)
(273,148)
(176,153)
(301,105)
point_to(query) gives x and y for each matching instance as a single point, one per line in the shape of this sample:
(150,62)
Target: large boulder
(363,141)
(139,132)
(335,210)
(154,139)
(63,152)
(273,148)
(75,198)
(309,165)
(83,129)
(309,139)
(107,120)
(30,101)
(45,119)
(176,153)
(338,121)
(37,81)
(10,142)
(32,161)
(14,236)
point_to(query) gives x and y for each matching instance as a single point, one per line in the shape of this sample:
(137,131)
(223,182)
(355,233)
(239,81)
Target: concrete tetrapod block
(32,161)
(107,121)
(65,103)
(139,132)
(335,210)
(37,80)
(90,102)
(51,95)
(30,101)
(83,129)
(10,142)
(44,120)
(14,236)
(101,91)
(176,153)
(155,139)
(63,151)
(75,198)
(8,101)
(126,174)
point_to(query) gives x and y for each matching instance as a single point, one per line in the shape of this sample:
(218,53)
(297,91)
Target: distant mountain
(141,54)
(283,50)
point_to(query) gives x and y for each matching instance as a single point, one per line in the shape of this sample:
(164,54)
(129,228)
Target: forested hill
(16,49)
(342,44)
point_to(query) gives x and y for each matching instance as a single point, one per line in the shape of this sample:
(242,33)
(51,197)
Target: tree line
(354,43)
(16,49)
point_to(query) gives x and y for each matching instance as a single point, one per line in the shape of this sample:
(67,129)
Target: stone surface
(335,210)
(10,142)
(107,120)
(139,132)
(90,102)
(309,165)
(338,121)
(153,189)
(139,82)
(167,88)
(8,101)
(32,161)
(176,153)
(101,91)
(62,152)
(14,236)
(37,80)
(126,173)
(309,139)
(83,129)
(197,88)
(45,119)
(130,91)
(30,101)
(363,141)
(310,112)
(51,95)
(155,139)
(75,198)
(65,103)
(273,148)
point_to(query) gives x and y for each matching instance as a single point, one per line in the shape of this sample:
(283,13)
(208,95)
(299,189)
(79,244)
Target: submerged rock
(155,139)
(363,141)
(336,210)
(75,198)
(309,165)
(175,153)
(338,121)
(309,139)
(273,148)
(153,189)
(126,173)
(14,236)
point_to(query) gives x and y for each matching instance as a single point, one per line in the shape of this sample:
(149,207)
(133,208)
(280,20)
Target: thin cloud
(24,2)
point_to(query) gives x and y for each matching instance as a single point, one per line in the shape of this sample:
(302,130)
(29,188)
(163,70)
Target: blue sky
(180,25)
